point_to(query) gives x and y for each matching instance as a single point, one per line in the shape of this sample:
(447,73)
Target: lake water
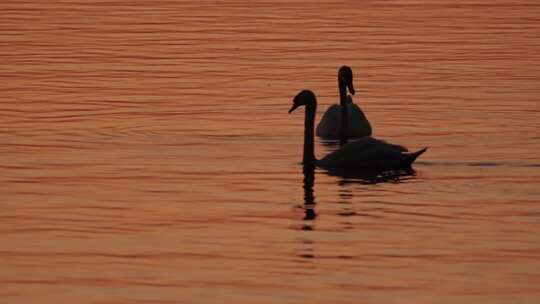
(146,153)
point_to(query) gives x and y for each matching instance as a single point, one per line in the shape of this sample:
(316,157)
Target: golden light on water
(146,153)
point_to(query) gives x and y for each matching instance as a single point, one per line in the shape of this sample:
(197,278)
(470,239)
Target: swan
(365,152)
(331,123)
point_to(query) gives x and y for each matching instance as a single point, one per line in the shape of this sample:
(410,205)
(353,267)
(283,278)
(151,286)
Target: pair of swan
(364,152)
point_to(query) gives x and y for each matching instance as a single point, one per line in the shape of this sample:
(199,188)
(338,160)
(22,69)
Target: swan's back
(358,122)
(330,123)
(370,152)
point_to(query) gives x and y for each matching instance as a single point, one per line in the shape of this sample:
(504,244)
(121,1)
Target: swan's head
(345,78)
(303,98)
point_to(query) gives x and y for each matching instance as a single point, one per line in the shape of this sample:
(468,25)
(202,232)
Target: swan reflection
(368,176)
(345,177)
(309,197)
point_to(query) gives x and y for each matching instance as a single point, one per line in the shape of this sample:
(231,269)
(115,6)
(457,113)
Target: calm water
(147,155)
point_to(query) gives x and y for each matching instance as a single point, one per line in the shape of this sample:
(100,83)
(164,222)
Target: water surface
(146,153)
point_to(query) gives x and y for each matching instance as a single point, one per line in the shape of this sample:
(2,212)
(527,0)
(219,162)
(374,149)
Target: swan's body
(330,123)
(365,152)
(332,126)
(370,152)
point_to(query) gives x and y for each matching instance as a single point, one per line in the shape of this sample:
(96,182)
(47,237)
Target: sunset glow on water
(147,156)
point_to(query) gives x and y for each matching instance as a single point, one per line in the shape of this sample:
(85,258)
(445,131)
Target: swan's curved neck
(309,126)
(344,127)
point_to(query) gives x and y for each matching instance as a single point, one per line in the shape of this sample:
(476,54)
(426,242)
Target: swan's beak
(351,88)
(294,106)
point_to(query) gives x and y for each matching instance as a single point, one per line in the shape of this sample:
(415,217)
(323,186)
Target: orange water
(146,153)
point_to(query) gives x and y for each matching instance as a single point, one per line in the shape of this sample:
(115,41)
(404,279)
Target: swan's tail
(411,157)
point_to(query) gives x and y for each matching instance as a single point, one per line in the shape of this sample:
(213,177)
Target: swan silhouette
(332,124)
(362,153)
